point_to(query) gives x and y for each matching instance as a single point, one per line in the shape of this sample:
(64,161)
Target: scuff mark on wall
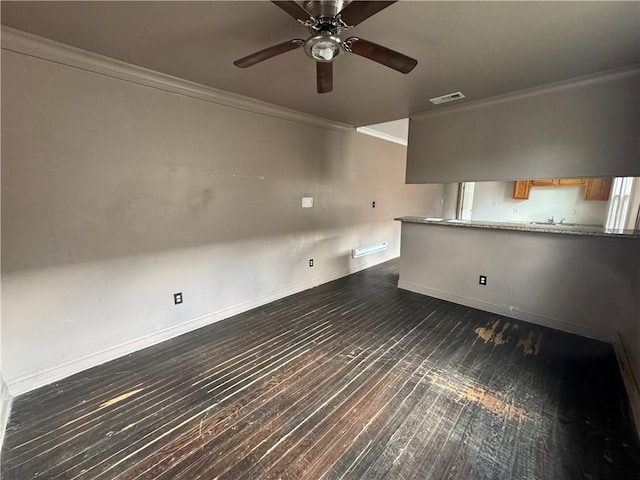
(206,196)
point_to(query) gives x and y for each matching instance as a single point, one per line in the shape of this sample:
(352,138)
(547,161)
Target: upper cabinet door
(598,188)
(521,189)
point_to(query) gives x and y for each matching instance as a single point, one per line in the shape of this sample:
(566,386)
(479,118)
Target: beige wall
(116,195)
(581,128)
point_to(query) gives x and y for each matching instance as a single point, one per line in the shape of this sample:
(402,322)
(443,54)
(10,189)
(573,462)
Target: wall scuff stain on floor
(530,345)
(490,334)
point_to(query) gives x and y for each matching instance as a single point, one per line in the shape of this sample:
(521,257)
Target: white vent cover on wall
(369,249)
(447,98)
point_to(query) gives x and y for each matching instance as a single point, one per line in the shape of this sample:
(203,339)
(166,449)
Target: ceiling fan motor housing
(324,45)
(326,20)
(324,8)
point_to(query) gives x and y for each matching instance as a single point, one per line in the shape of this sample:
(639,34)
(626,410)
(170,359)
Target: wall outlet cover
(307,202)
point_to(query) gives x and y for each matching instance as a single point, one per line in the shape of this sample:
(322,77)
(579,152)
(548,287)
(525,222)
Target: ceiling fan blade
(267,53)
(358,11)
(324,75)
(293,9)
(380,54)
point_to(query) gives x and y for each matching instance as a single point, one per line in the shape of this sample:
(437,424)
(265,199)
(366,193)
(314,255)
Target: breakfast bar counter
(579,279)
(534,227)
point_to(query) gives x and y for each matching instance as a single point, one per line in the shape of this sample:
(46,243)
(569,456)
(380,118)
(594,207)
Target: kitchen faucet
(551,220)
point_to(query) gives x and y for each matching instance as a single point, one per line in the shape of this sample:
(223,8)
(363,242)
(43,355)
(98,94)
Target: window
(625,196)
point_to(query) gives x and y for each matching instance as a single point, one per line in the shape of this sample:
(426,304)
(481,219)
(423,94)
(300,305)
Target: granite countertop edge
(588,231)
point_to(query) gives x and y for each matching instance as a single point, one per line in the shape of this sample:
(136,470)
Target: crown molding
(382,135)
(27,44)
(627,71)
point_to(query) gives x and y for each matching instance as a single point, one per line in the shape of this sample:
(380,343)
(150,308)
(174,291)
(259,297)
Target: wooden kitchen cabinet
(521,189)
(596,188)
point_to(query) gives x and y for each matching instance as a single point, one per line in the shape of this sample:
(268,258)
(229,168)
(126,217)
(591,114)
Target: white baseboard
(32,380)
(5,410)
(510,311)
(630,380)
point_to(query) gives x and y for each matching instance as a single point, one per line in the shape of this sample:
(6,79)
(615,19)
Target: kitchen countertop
(583,230)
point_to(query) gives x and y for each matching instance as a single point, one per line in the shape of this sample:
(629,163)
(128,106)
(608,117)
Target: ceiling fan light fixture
(323,47)
(326,20)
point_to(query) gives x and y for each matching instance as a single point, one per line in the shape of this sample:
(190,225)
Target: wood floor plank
(123,408)
(365,384)
(324,449)
(352,379)
(392,397)
(373,439)
(355,368)
(314,372)
(185,425)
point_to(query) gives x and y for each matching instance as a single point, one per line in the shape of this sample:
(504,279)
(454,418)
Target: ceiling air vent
(447,98)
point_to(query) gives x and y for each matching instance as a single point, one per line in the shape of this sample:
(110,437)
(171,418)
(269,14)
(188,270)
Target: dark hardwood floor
(353,379)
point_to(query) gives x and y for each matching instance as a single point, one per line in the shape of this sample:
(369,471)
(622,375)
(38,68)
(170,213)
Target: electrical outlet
(311,262)
(177,298)
(483,280)
(373,204)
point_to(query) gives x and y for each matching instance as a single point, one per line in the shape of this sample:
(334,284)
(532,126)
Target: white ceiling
(481,48)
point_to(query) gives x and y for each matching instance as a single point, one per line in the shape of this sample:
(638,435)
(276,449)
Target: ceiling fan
(325,20)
